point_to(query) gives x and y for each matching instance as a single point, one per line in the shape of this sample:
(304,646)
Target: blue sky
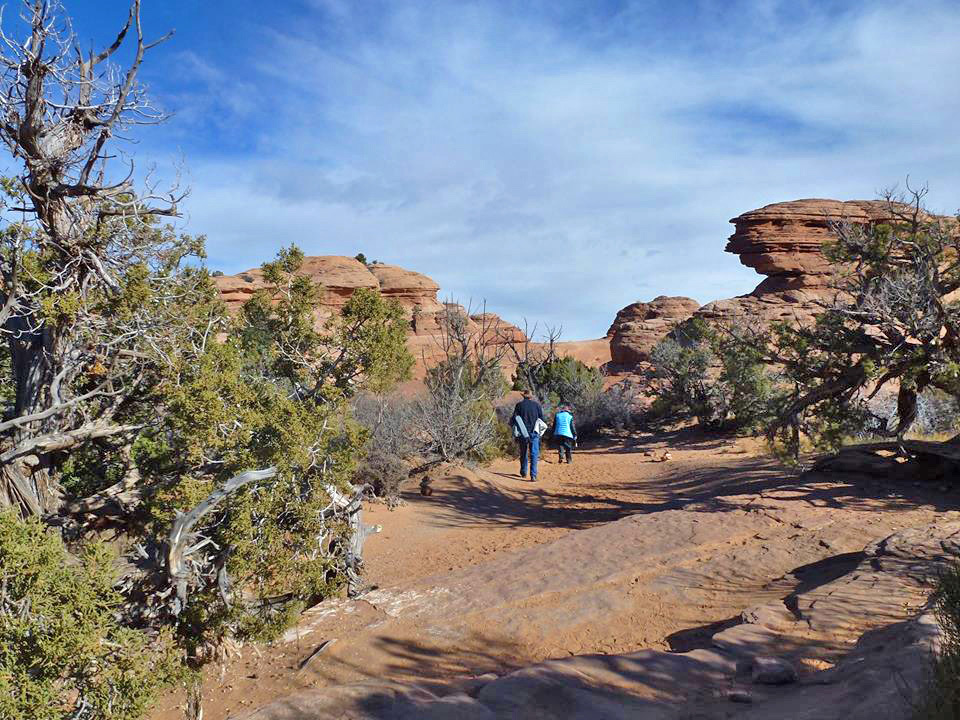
(559,159)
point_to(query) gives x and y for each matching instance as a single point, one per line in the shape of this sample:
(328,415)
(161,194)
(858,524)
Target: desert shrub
(63,652)
(455,419)
(715,375)
(940,699)
(568,380)
(390,424)
(615,408)
(599,409)
(503,444)
(937,412)
(560,380)
(384,473)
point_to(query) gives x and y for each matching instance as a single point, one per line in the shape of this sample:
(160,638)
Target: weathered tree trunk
(26,484)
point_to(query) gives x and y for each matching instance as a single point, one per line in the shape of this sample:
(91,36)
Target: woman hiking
(565,433)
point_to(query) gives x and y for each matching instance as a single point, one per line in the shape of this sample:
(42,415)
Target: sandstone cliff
(782,241)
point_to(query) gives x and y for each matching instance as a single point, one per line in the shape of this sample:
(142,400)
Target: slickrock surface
(861,620)
(599,567)
(641,325)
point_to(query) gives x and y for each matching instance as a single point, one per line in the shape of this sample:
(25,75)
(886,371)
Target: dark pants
(529,445)
(564,446)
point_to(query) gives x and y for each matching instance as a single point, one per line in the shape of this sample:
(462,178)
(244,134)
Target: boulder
(772,671)
(641,325)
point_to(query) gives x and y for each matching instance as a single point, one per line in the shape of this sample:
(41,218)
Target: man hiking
(528,425)
(565,433)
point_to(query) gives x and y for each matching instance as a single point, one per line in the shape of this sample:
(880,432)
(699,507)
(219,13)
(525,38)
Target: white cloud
(509,158)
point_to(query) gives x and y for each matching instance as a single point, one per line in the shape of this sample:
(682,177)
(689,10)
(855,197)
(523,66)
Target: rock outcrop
(854,644)
(784,242)
(340,276)
(641,325)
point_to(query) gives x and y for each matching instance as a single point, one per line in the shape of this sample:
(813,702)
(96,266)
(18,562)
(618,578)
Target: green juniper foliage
(892,323)
(714,374)
(132,402)
(272,393)
(63,653)
(940,699)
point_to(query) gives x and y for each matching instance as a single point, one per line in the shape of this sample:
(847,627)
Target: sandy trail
(619,553)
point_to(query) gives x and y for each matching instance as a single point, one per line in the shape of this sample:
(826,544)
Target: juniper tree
(219,450)
(892,321)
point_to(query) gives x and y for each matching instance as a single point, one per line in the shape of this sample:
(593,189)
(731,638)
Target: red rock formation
(498,330)
(784,242)
(640,326)
(341,276)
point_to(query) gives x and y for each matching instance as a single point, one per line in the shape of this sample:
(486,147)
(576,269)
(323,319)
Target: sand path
(612,554)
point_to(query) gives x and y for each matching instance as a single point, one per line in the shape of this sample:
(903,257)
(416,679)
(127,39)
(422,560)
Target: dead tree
(532,357)
(79,234)
(455,420)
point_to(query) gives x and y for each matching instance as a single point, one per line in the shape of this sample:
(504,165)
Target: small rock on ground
(773,671)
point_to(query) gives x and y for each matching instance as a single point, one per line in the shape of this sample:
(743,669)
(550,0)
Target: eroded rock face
(784,242)
(340,276)
(641,325)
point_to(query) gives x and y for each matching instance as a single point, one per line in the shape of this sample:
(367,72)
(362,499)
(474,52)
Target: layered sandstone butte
(340,276)
(640,326)
(784,242)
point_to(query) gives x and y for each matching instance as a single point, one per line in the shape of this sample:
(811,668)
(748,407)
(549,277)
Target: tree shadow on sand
(722,486)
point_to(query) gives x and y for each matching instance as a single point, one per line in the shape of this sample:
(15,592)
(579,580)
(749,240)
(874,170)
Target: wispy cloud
(562,161)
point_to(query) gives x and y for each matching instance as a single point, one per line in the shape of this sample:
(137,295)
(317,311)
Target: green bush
(385,474)
(63,652)
(561,380)
(568,380)
(503,444)
(716,375)
(940,699)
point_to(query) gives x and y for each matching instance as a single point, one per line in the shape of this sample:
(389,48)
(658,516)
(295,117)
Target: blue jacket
(563,425)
